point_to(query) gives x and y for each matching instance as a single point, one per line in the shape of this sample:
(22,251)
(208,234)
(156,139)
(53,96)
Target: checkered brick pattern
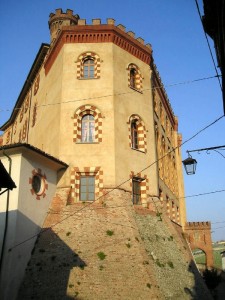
(173,212)
(142,139)
(178,215)
(44,187)
(80,62)
(168,207)
(79,113)
(76,173)
(144,184)
(138,78)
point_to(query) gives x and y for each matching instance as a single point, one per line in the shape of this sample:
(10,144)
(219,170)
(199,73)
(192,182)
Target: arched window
(88,129)
(134,134)
(137,133)
(134,77)
(89,68)
(133,74)
(88,65)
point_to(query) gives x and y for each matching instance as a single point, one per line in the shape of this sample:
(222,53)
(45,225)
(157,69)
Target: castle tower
(93,125)
(97,103)
(59,19)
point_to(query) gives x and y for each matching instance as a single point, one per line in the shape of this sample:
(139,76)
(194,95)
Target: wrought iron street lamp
(190,163)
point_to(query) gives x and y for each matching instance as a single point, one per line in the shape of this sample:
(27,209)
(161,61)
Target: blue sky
(181,55)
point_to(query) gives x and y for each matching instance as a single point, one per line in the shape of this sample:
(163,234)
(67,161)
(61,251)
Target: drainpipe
(6,216)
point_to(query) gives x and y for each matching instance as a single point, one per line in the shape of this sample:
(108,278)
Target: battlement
(59,19)
(60,14)
(110,21)
(198,225)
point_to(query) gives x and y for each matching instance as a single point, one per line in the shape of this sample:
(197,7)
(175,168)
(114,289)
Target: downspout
(6,216)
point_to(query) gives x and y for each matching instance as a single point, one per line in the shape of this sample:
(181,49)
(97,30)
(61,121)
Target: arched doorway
(200,258)
(199,237)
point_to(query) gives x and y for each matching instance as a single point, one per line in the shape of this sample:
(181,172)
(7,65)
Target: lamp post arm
(205,149)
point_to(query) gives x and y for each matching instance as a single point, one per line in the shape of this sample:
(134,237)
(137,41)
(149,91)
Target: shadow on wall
(46,261)
(14,259)
(47,273)
(200,291)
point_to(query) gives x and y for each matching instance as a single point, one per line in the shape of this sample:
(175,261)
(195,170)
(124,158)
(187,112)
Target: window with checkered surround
(137,133)
(139,184)
(87,125)
(86,183)
(88,66)
(134,77)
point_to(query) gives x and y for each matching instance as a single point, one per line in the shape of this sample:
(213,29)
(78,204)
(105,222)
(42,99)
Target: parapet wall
(68,19)
(198,225)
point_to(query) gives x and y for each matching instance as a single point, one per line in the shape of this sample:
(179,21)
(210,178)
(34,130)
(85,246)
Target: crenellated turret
(59,19)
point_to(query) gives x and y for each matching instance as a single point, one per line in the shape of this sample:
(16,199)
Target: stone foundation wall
(109,250)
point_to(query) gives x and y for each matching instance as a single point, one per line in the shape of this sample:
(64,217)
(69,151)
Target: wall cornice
(98,34)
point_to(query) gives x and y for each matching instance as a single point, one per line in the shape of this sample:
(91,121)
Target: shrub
(212,278)
(170,264)
(109,232)
(159,264)
(101,255)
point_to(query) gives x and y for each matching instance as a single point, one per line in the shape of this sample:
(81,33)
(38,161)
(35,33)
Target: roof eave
(39,59)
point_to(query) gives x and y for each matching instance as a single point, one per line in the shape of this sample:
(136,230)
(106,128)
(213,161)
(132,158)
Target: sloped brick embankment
(109,250)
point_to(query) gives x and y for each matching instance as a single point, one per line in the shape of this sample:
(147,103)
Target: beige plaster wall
(126,103)
(61,93)
(45,133)
(117,102)
(25,219)
(98,92)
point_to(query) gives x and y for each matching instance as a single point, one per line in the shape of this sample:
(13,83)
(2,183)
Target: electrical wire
(111,190)
(198,9)
(218,228)
(218,222)
(118,94)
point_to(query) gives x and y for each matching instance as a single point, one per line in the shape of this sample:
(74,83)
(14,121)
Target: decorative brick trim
(80,62)
(44,187)
(142,138)
(34,117)
(98,34)
(76,173)
(138,77)
(24,130)
(144,184)
(21,113)
(8,137)
(168,207)
(36,84)
(79,113)
(27,101)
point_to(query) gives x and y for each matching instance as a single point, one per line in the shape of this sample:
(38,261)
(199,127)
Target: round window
(37,184)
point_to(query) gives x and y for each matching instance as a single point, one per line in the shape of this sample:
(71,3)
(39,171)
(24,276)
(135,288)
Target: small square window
(136,190)
(87,188)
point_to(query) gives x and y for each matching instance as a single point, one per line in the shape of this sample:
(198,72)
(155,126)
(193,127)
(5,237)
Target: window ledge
(139,91)
(88,78)
(138,150)
(84,143)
